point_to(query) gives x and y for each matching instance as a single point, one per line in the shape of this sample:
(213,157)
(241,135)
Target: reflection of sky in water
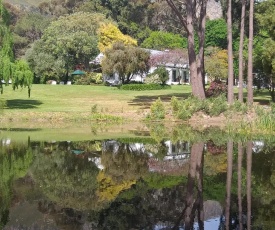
(210,224)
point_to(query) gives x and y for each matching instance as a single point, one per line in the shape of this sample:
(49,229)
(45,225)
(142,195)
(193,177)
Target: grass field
(75,101)
(63,112)
(69,102)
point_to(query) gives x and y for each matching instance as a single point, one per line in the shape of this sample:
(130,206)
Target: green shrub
(94,108)
(216,88)
(272,106)
(216,105)
(186,108)
(159,76)
(152,79)
(175,104)
(266,122)
(141,87)
(157,110)
(2,105)
(88,79)
(238,106)
(106,117)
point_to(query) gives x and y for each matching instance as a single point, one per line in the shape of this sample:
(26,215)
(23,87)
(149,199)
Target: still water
(139,181)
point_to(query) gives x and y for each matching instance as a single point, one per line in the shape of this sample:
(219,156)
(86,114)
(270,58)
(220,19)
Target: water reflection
(137,184)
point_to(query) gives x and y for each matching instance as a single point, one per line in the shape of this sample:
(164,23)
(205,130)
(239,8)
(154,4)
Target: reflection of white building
(179,150)
(257,146)
(174,161)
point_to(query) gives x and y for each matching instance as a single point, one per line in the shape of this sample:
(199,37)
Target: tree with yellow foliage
(216,65)
(110,34)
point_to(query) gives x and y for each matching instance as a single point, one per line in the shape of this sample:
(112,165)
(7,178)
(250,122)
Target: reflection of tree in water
(15,161)
(123,165)
(143,208)
(124,162)
(66,179)
(194,197)
(263,178)
(138,198)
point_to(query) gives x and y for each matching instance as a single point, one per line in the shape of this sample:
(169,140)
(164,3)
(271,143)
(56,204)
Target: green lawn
(76,99)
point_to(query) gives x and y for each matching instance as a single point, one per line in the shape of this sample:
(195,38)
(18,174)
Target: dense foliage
(67,42)
(161,40)
(17,72)
(160,75)
(126,61)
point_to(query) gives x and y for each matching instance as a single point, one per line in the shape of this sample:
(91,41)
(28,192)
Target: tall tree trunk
(240,159)
(201,34)
(196,82)
(248,182)
(250,58)
(196,69)
(228,183)
(230,93)
(241,53)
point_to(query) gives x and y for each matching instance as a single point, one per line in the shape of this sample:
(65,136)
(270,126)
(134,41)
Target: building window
(174,75)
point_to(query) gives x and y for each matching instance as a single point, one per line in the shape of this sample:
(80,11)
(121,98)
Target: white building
(175,61)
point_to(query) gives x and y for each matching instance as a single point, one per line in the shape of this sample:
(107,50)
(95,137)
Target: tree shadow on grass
(145,101)
(20,129)
(264,99)
(22,104)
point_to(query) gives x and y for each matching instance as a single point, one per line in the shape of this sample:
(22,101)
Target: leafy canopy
(109,34)
(216,65)
(161,40)
(68,41)
(125,61)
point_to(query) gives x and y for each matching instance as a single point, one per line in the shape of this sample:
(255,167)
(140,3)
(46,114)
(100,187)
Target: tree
(125,61)
(241,62)
(72,39)
(46,66)
(264,58)
(216,65)
(19,72)
(28,29)
(230,94)
(250,56)
(215,33)
(161,40)
(22,76)
(196,63)
(109,34)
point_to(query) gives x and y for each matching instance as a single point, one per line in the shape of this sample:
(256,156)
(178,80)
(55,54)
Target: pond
(157,179)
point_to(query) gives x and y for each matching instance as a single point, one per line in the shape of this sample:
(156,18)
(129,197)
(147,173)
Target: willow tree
(192,13)
(18,73)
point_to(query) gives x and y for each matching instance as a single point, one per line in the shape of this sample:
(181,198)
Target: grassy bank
(57,103)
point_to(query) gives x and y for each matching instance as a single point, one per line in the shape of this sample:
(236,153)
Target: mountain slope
(26,3)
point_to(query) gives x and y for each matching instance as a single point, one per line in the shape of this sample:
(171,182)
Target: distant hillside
(26,3)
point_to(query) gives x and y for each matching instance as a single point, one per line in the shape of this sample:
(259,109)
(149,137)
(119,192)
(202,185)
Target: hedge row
(141,87)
